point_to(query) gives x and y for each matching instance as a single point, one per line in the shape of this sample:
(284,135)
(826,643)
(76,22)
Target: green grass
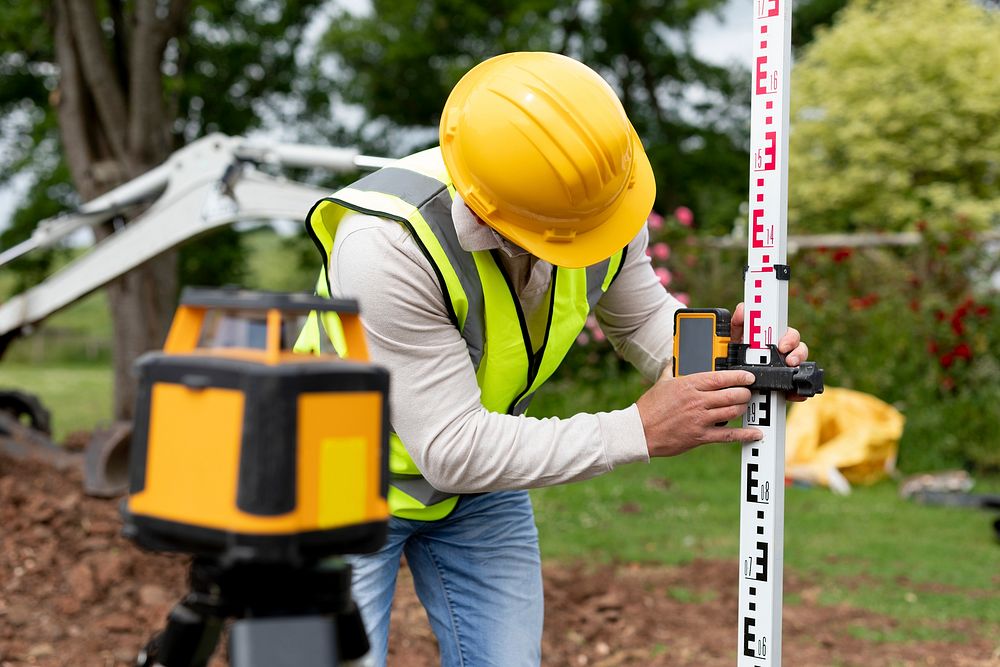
(870,549)
(79,397)
(687,595)
(78,334)
(907,633)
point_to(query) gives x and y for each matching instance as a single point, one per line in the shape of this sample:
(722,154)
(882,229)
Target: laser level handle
(354,335)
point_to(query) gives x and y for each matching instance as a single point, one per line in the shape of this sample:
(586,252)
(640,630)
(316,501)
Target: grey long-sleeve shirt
(458,445)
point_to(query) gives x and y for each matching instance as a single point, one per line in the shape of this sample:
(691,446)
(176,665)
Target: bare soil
(74,592)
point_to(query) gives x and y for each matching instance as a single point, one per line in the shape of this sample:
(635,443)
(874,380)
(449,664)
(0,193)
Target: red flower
(957,326)
(962,351)
(964,307)
(946,359)
(863,302)
(983,311)
(932,346)
(915,305)
(842,255)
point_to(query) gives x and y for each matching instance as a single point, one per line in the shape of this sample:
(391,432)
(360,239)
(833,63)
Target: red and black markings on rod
(765,296)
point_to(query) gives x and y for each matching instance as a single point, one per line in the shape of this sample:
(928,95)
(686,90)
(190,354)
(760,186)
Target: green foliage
(400,62)
(216,259)
(27,76)
(276,263)
(918,328)
(810,16)
(237,67)
(49,195)
(894,119)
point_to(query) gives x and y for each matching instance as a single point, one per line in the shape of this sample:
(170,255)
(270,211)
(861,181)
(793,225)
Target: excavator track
(27,409)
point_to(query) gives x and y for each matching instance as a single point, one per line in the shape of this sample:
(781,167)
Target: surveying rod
(762,490)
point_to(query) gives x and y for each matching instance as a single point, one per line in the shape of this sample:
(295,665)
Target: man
(476,266)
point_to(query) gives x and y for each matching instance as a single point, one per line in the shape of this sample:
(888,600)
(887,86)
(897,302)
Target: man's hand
(679,414)
(790,344)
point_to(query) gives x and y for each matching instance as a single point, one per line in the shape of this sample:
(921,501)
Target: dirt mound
(74,592)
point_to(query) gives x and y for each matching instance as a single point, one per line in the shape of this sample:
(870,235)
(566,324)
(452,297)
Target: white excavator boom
(207,184)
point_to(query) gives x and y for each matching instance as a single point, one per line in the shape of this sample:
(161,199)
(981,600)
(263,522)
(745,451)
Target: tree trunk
(111,134)
(142,303)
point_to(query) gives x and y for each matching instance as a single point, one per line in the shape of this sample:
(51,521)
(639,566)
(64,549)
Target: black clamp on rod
(804,380)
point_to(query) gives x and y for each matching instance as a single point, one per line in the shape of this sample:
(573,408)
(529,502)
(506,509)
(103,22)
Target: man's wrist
(624,436)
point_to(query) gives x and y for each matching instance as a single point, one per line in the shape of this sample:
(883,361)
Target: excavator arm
(207,184)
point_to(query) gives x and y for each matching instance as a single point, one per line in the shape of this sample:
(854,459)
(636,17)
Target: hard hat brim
(602,241)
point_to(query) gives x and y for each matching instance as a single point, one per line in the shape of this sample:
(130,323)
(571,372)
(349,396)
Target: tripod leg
(351,635)
(189,640)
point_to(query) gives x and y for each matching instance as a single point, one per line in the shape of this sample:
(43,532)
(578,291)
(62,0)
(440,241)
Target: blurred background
(894,217)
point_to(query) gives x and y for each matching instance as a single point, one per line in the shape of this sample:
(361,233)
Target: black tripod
(286,616)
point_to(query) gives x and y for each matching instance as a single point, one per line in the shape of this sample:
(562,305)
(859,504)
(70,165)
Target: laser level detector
(262,463)
(702,343)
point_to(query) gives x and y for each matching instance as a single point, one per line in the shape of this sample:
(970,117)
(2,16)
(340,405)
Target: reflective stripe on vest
(478,295)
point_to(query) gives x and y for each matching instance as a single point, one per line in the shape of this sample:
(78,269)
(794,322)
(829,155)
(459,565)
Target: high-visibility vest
(478,294)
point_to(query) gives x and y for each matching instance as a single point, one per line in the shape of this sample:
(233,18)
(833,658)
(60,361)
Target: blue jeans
(478,574)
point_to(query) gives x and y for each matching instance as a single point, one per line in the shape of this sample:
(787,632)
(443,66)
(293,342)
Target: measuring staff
(704,340)
(762,492)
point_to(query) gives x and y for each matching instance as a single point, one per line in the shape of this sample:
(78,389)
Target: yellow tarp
(842,437)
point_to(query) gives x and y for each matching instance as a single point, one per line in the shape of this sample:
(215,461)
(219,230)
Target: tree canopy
(894,119)
(399,63)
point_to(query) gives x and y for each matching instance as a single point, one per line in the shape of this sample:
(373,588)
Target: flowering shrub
(659,252)
(918,327)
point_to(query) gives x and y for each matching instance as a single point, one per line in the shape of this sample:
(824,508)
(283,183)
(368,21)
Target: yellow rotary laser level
(245,451)
(702,343)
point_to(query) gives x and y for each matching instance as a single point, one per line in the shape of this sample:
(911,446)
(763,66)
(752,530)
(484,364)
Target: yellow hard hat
(540,148)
